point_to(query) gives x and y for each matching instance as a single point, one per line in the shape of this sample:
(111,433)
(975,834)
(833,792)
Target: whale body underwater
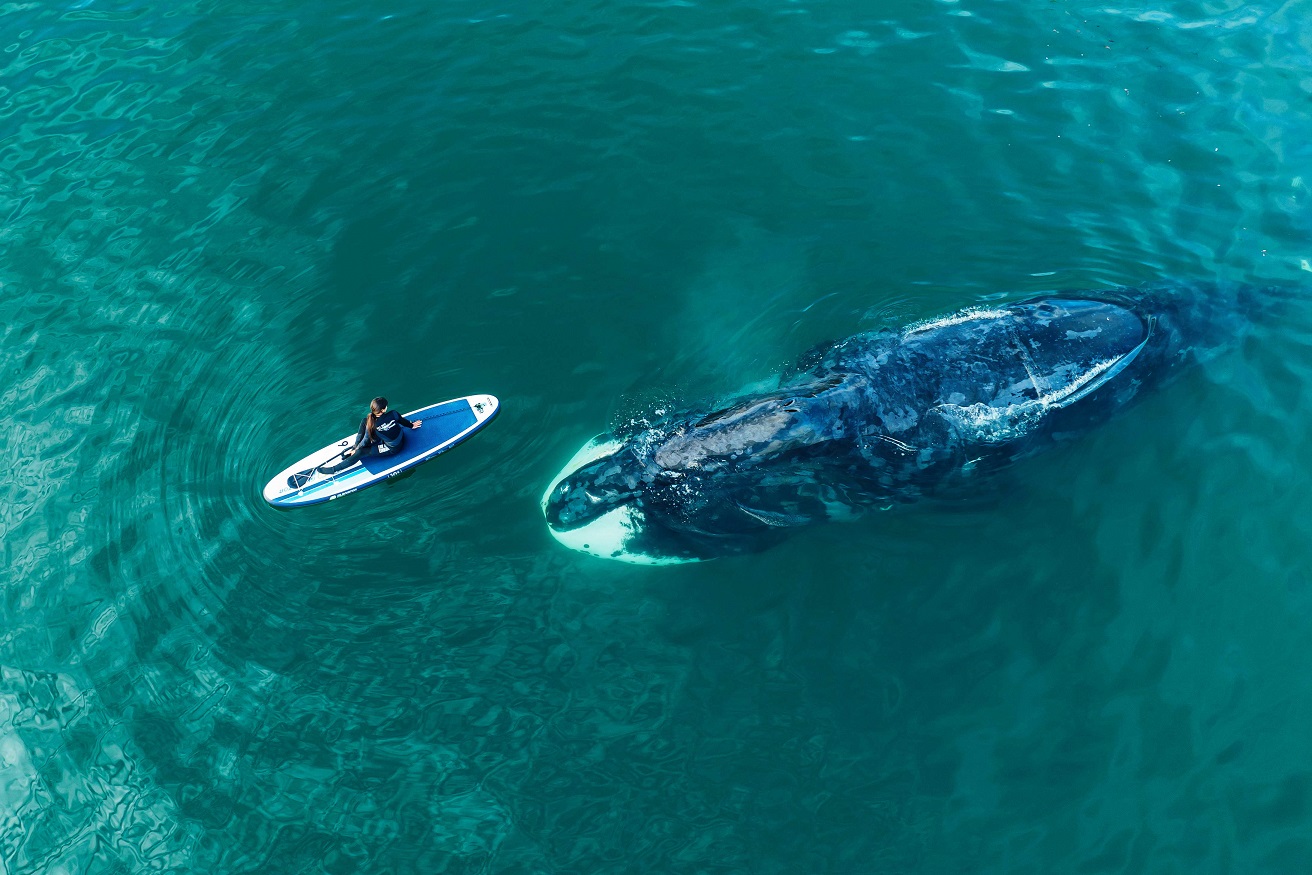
(881,418)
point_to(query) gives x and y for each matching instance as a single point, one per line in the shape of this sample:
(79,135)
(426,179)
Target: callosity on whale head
(877,419)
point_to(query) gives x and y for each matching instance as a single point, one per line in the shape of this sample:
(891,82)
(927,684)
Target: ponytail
(376,407)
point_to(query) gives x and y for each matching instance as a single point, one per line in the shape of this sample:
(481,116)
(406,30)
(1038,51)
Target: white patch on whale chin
(608,535)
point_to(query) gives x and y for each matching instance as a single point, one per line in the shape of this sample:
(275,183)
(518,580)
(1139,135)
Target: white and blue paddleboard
(442,427)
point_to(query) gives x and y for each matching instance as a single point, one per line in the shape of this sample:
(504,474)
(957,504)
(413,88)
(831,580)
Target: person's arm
(408,424)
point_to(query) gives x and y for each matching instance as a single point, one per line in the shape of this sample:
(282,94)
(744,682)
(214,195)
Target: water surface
(227,225)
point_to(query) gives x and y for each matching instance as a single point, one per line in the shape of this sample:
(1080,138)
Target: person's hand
(418,422)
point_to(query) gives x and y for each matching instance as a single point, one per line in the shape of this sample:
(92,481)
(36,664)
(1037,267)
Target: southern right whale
(879,418)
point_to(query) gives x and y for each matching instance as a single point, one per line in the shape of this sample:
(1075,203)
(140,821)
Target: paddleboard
(442,427)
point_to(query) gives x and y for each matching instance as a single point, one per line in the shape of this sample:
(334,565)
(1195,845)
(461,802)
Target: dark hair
(376,406)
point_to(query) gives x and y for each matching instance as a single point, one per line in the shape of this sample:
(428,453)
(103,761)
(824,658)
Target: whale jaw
(622,532)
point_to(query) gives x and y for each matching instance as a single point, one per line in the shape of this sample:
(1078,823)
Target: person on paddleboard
(381,432)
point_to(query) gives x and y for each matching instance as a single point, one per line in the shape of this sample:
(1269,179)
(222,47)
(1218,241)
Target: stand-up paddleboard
(443,426)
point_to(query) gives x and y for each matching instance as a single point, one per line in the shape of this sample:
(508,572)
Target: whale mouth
(601,515)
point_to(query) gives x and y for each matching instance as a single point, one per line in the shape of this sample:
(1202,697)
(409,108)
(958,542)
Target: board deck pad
(443,426)
(439,426)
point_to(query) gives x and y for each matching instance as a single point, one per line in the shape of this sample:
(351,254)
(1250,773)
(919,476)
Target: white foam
(1085,383)
(975,314)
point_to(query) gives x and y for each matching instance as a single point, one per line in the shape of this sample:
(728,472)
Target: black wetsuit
(387,432)
(387,438)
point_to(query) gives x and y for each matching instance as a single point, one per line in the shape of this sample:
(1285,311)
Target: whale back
(993,375)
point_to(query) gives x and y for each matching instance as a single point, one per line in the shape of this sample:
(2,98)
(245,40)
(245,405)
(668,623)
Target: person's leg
(348,460)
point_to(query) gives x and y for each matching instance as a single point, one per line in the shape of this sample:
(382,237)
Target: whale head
(607,503)
(698,486)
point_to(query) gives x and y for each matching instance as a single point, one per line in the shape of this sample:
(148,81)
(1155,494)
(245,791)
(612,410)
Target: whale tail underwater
(881,418)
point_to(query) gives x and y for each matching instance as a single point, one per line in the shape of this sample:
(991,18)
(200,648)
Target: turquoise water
(227,225)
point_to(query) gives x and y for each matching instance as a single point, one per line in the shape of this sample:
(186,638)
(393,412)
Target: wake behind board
(443,426)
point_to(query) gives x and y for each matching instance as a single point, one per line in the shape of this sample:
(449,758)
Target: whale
(881,419)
